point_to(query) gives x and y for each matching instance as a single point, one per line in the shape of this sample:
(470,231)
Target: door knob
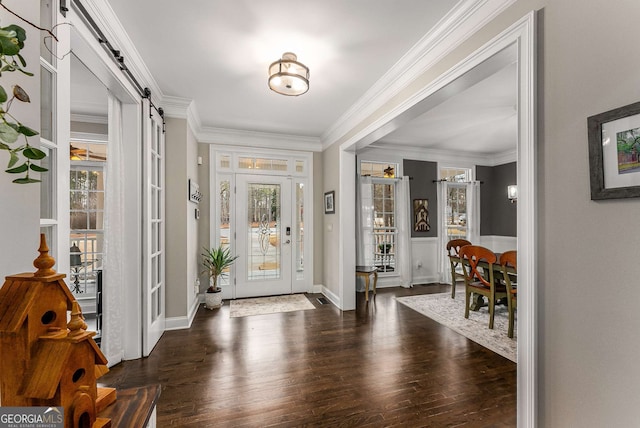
(288,241)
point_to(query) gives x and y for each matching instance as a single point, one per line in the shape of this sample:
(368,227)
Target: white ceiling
(216,53)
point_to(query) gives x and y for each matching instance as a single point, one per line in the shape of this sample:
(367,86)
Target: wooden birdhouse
(45,360)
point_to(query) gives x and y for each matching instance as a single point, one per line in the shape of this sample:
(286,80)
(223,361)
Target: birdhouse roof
(18,295)
(50,360)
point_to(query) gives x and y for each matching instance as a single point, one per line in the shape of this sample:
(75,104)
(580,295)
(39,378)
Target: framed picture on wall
(614,153)
(421,215)
(329,202)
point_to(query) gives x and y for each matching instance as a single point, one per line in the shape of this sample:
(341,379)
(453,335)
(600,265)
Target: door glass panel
(225,218)
(46,104)
(263,237)
(299,231)
(47,44)
(47,187)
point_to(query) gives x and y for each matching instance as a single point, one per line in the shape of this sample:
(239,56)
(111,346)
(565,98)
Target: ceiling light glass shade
(287,76)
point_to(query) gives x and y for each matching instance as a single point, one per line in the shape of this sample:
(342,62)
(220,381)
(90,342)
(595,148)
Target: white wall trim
(458,25)
(184,322)
(89,118)
(268,140)
(183,108)
(90,137)
(333,298)
(437,155)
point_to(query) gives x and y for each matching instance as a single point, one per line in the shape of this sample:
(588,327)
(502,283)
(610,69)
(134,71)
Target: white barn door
(153,290)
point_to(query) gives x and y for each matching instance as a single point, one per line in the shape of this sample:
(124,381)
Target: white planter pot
(213,300)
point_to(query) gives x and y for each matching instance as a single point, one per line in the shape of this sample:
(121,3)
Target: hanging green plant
(14,135)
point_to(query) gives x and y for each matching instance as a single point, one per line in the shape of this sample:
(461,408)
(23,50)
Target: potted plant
(216,262)
(385,247)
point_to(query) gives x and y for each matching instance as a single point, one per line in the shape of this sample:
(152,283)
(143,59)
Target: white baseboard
(181,323)
(430,279)
(333,298)
(317,288)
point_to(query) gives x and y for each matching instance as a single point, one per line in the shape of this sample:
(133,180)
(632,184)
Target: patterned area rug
(269,305)
(447,311)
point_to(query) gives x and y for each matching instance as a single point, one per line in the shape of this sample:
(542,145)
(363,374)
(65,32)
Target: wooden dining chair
(509,263)
(477,265)
(453,251)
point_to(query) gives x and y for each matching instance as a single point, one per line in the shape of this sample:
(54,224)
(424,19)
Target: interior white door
(263,235)
(153,299)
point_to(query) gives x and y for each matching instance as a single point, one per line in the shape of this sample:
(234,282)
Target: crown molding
(183,108)
(467,17)
(88,118)
(233,137)
(439,155)
(107,20)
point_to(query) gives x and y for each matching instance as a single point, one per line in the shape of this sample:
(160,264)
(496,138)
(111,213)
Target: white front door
(264,235)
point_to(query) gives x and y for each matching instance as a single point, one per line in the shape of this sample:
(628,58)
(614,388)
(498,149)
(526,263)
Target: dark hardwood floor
(380,365)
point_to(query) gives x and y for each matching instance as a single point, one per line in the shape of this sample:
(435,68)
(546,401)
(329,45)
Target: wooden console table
(134,407)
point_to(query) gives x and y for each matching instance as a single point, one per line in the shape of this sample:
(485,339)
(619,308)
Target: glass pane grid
(384,229)
(85,261)
(263,164)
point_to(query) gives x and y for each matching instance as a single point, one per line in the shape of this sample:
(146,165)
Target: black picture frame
(610,174)
(330,202)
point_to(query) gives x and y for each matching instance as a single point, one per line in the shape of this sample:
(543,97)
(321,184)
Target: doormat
(269,305)
(450,312)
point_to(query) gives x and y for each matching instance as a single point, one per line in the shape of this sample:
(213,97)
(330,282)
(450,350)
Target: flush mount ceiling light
(287,76)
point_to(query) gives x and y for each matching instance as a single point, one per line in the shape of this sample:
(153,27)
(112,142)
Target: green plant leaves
(26,180)
(13,159)
(8,134)
(18,169)
(26,131)
(21,158)
(33,153)
(37,168)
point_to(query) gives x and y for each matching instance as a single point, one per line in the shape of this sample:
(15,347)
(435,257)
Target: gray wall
(498,216)
(422,186)
(181,226)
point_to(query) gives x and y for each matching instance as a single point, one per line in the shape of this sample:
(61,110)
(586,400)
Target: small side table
(366,272)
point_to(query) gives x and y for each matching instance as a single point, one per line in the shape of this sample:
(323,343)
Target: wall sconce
(512,193)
